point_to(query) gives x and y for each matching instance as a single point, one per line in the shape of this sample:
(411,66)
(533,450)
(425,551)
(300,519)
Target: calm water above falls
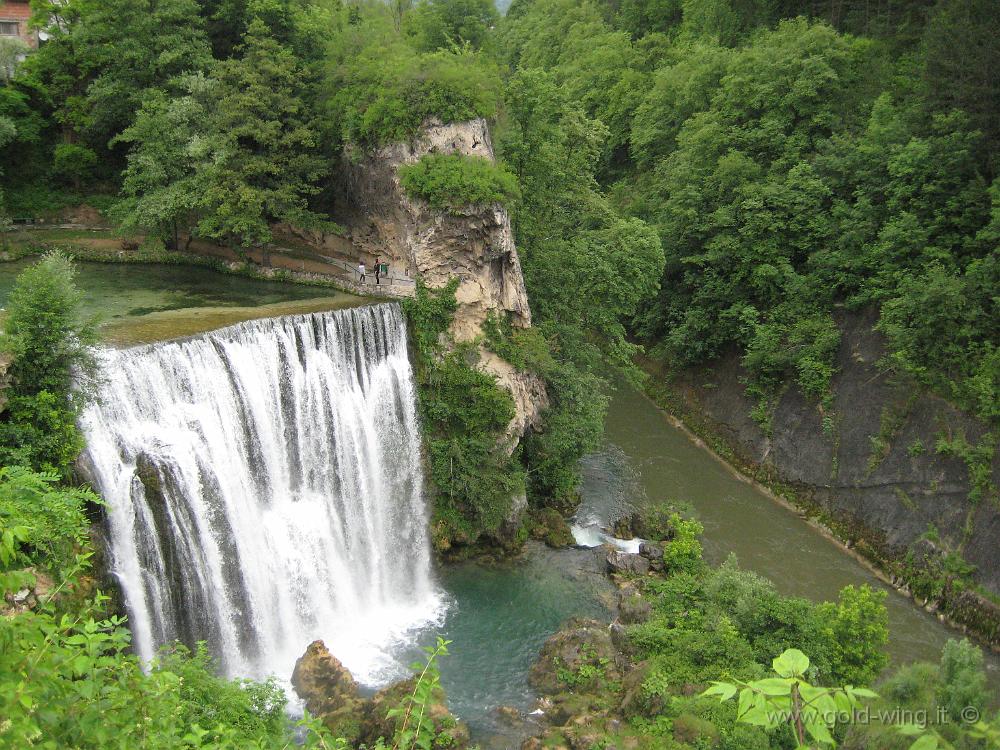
(138,303)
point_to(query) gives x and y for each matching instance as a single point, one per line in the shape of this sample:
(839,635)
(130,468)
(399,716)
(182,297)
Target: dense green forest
(695,176)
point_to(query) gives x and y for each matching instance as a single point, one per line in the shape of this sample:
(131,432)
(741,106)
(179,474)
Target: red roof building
(14,15)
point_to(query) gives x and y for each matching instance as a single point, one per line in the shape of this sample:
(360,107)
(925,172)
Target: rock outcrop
(331,693)
(475,244)
(35,588)
(329,690)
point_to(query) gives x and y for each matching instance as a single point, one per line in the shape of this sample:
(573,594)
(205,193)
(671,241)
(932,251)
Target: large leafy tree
(259,162)
(159,185)
(103,56)
(232,155)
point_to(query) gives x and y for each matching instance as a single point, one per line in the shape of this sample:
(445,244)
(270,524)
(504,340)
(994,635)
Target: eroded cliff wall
(873,472)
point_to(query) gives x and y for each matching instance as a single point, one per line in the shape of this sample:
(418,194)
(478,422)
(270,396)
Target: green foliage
(251,712)
(683,549)
(101,58)
(810,712)
(455,181)
(962,679)
(858,628)
(73,164)
(69,681)
(415,728)
(259,162)
(159,184)
(234,153)
(465,414)
(586,267)
(727,621)
(48,344)
(787,171)
(50,519)
(381,88)
(921,706)
(43,330)
(437,24)
(574,425)
(589,671)
(574,420)
(978,459)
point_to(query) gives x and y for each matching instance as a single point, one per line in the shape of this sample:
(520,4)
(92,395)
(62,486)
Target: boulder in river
(633,608)
(549,525)
(329,690)
(331,693)
(580,652)
(627,562)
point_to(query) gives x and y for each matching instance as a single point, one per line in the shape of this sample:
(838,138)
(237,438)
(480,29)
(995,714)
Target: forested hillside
(791,166)
(687,181)
(810,169)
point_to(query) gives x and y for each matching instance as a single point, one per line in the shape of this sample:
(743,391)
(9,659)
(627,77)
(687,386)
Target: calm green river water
(138,303)
(503,614)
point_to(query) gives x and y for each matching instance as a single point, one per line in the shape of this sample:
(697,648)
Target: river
(502,614)
(142,302)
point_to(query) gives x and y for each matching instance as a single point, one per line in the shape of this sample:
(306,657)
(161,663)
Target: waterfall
(263,489)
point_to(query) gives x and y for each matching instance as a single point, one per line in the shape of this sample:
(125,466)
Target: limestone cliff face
(475,244)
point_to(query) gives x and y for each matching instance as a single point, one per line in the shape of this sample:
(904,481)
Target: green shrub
(858,628)
(73,164)
(963,681)
(48,342)
(451,181)
(465,415)
(52,518)
(384,95)
(250,711)
(683,550)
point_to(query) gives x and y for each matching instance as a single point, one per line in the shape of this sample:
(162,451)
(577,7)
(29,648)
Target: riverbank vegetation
(689,635)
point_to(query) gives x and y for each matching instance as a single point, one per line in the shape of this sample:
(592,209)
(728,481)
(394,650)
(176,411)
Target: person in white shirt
(361,272)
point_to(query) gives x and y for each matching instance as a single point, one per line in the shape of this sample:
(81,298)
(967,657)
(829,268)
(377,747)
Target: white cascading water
(264,489)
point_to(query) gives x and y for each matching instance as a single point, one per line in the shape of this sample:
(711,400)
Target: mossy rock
(450,733)
(651,522)
(693,730)
(329,691)
(549,526)
(579,658)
